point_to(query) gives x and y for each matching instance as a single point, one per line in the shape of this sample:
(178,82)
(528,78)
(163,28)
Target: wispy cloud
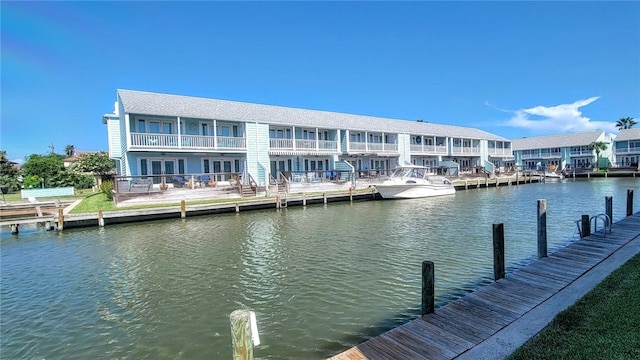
(557,119)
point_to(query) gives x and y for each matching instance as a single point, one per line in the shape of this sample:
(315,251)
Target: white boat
(551,175)
(411,181)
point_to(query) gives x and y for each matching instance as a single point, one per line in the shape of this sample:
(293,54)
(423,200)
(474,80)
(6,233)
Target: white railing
(498,151)
(581,152)
(281,144)
(360,146)
(301,144)
(172,141)
(434,149)
(632,150)
(373,147)
(457,150)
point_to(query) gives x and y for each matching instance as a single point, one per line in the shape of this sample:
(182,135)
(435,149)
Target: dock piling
(608,208)
(428,288)
(629,202)
(241,334)
(542,228)
(100,219)
(183,209)
(60,219)
(586,226)
(498,251)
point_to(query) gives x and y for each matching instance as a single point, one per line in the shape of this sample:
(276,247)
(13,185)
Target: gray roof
(148,103)
(556,141)
(628,134)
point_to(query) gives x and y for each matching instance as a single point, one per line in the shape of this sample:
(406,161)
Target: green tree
(97,163)
(9,174)
(625,123)
(598,146)
(70,150)
(46,167)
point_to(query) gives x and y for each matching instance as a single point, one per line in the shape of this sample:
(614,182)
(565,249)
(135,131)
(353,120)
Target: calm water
(320,279)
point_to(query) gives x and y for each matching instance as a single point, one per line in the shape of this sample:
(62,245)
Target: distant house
(563,151)
(72,159)
(626,149)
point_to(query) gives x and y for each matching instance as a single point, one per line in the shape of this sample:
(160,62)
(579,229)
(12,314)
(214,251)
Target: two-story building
(160,134)
(562,151)
(626,148)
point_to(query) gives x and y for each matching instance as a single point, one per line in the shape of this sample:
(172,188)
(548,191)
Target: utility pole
(52,148)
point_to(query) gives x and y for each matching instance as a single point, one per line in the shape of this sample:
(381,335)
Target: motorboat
(412,181)
(552,175)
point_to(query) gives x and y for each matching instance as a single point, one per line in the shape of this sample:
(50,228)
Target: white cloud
(558,119)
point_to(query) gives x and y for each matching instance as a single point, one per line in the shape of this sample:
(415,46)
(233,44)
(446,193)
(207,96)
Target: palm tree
(625,123)
(70,150)
(598,146)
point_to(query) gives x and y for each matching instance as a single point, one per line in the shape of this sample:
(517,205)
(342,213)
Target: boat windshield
(410,172)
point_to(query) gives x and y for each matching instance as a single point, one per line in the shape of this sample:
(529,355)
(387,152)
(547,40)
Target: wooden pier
(456,329)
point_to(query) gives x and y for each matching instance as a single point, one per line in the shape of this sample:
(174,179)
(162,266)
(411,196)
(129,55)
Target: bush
(107,188)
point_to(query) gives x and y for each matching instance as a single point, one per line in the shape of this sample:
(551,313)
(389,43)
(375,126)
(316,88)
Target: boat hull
(413,191)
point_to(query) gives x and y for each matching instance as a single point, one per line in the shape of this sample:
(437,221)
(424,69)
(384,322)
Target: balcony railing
(633,150)
(372,147)
(465,150)
(303,144)
(173,141)
(551,155)
(581,152)
(433,149)
(500,152)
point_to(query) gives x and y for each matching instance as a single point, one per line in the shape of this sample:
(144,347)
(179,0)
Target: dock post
(428,288)
(241,335)
(60,219)
(542,228)
(100,219)
(304,199)
(586,226)
(608,209)
(629,202)
(516,178)
(278,203)
(350,194)
(15,229)
(324,198)
(238,207)
(498,251)
(183,209)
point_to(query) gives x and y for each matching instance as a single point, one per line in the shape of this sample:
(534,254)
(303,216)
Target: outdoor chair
(178,181)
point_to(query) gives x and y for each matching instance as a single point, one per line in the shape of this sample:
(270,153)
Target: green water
(320,279)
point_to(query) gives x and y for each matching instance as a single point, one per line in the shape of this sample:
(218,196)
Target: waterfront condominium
(162,134)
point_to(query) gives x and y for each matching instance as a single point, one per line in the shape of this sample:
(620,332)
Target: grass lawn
(604,324)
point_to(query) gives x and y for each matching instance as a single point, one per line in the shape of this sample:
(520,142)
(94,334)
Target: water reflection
(320,278)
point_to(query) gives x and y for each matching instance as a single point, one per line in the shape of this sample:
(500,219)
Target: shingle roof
(628,134)
(556,141)
(148,103)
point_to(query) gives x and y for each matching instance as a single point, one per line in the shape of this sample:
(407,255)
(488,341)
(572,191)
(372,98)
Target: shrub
(107,188)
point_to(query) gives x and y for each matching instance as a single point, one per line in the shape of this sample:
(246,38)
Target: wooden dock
(455,329)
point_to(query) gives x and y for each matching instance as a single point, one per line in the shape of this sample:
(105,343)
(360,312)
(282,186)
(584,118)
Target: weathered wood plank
(439,337)
(460,328)
(468,321)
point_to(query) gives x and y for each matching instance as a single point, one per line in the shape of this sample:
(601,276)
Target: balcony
(581,152)
(465,150)
(303,146)
(625,151)
(542,155)
(169,142)
(500,152)
(373,148)
(429,149)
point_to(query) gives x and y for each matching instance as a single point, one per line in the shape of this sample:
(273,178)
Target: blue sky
(510,68)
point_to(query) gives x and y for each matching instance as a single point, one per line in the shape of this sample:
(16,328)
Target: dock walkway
(495,320)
